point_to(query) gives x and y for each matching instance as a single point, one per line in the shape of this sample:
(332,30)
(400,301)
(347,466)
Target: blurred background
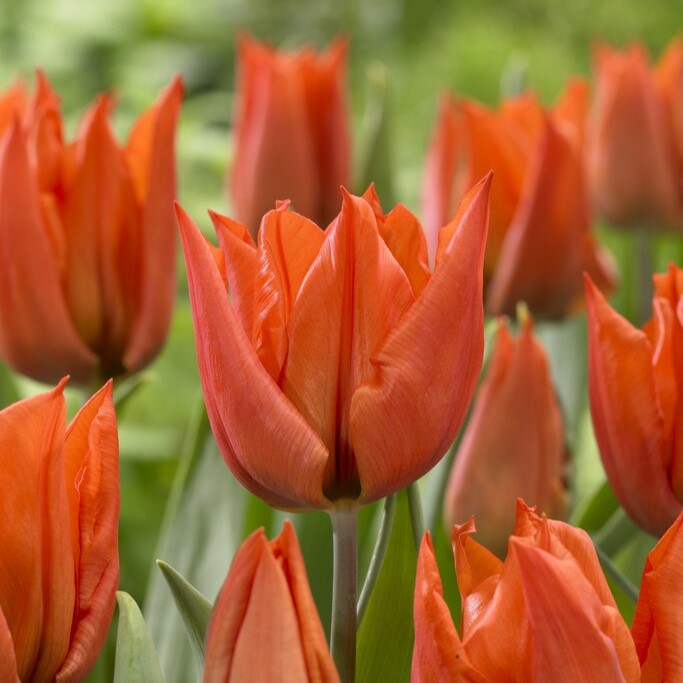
(419,47)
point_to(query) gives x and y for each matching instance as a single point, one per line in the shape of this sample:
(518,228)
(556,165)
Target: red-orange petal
(37,335)
(657,627)
(628,425)
(438,653)
(91,463)
(353,295)
(151,158)
(405,415)
(37,585)
(284,459)
(8,662)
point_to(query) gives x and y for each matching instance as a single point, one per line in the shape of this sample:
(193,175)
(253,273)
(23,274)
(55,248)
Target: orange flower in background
(540,240)
(342,369)
(513,445)
(545,614)
(59,513)
(292,132)
(87,243)
(636,137)
(657,629)
(636,396)
(265,624)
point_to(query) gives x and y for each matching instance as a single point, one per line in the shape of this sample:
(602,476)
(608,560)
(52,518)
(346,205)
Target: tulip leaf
(385,636)
(136,658)
(194,608)
(8,388)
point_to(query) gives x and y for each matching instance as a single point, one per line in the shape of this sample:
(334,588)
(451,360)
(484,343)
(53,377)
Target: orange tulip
(87,247)
(636,397)
(264,625)
(292,131)
(636,140)
(657,628)
(545,614)
(342,369)
(513,445)
(59,512)
(540,240)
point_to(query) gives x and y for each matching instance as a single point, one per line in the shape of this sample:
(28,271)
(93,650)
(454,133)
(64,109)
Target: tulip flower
(342,369)
(636,137)
(264,625)
(87,245)
(292,131)
(540,240)
(513,445)
(59,511)
(545,614)
(657,628)
(636,393)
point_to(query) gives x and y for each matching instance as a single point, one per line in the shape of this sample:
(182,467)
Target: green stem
(344,590)
(416,516)
(644,264)
(377,556)
(618,577)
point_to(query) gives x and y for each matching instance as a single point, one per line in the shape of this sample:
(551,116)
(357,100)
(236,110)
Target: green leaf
(194,608)
(136,658)
(9,393)
(385,636)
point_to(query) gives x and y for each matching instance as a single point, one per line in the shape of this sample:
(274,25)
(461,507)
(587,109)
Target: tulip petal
(230,609)
(8,662)
(426,370)
(284,454)
(275,157)
(100,209)
(91,463)
(657,627)
(151,159)
(239,252)
(288,244)
(13,102)
(36,567)
(438,653)
(354,293)
(41,343)
(628,426)
(319,664)
(572,631)
(541,257)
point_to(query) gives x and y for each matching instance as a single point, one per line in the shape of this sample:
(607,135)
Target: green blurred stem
(644,265)
(377,555)
(416,515)
(618,577)
(344,590)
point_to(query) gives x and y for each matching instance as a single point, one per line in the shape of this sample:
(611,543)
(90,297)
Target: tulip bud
(635,386)
(292,132)
(350,366)
(87,248)
(513,445)
(540,238)
(656,627)
(545,614)
(59,511)
(636,137)
(265,625)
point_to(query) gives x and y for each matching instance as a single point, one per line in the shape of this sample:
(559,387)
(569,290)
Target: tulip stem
(344,590)
(377,556)
(644,267)
(417,521)
(622,581)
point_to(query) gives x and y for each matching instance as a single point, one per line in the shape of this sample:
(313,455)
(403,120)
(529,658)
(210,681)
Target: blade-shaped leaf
(136,658)
(385,636)
(194,608)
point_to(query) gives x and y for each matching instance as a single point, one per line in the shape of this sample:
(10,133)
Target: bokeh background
(416,49)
